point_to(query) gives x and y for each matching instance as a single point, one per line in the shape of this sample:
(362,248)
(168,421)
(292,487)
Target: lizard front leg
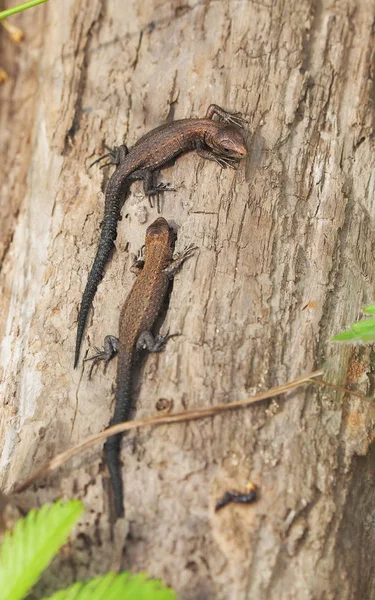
(178,261)
(224,115)
(138,261)
(223,161)
(147,341)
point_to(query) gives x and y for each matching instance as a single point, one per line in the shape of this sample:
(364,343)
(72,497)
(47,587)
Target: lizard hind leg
(156,190)
(110,349)
(116,154)
(151,188)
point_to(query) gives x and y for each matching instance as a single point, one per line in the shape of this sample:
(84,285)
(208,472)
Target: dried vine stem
(188,415)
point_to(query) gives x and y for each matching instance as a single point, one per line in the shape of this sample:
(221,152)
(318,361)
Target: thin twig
(344,390)
(15,9)
(188,415)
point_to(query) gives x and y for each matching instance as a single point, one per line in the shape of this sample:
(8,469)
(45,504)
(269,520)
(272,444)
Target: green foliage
(20,7)
(370,309)
(116,587)
(363,331)
(30,547)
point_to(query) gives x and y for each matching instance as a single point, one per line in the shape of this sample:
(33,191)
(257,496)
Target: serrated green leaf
(116,587)
(370,309)
(365,326)
(345,336)
(362,331)
(355,336)
(29,548)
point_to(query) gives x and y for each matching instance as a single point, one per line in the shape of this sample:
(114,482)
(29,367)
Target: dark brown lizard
(137,317)
(220,141)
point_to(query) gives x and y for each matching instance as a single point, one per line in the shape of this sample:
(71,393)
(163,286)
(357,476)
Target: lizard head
(228,141)
(159,230)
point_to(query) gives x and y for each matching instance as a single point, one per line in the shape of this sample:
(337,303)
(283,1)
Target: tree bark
(286,260)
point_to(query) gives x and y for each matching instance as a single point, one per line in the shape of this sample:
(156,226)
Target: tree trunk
(285,261)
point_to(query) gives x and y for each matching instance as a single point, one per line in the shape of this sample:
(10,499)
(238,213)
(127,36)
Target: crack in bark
(81,86)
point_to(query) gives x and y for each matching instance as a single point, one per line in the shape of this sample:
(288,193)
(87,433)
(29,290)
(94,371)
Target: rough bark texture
(286,260)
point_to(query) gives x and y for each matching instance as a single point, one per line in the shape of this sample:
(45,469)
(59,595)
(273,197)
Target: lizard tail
(122,411)
(106,244)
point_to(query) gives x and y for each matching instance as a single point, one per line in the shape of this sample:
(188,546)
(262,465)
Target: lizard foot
(158,189)
(226,116)
(116,154)
(111,344)
(138,261)
(227,161)
(147,341)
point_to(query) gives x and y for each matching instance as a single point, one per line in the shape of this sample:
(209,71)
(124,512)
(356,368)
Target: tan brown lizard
(138,315)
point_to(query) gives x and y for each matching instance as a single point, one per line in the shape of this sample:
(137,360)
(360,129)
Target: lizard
(220,140)
(137,318)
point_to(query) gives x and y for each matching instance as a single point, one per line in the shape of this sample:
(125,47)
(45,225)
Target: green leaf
(365,326)
(116,587)
(345,336)
(363,331)
(370,309)
(30,547)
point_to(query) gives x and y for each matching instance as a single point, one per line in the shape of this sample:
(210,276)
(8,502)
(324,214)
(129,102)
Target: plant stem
(15,9)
